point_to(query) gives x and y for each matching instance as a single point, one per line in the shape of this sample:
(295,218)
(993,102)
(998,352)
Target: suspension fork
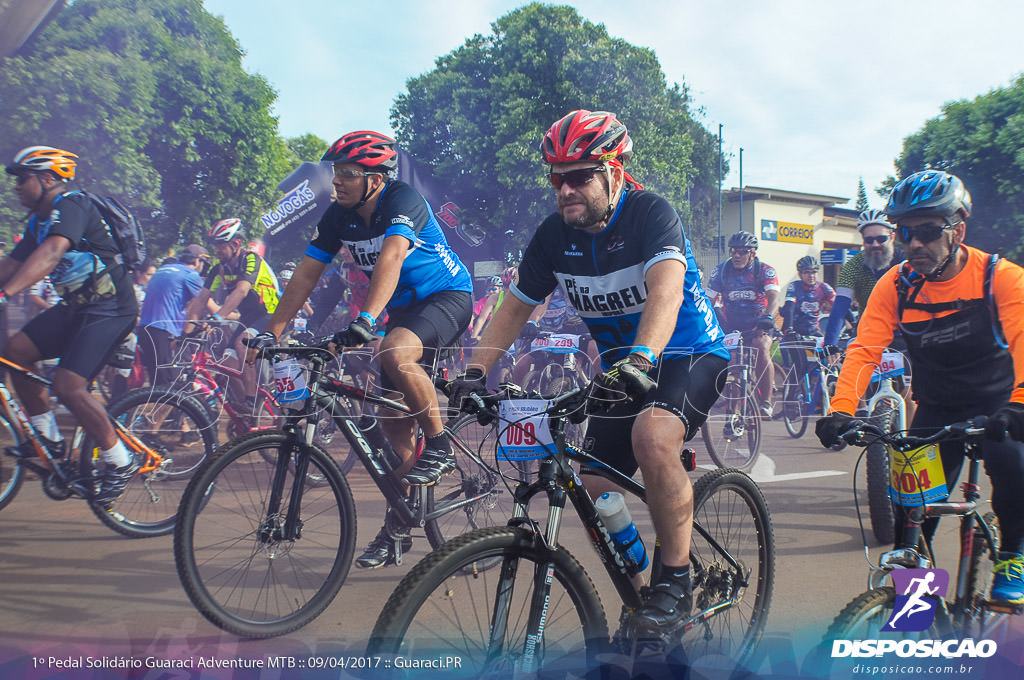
(299,443)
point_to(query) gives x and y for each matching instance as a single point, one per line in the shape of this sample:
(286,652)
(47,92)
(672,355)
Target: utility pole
(718,243)
(741,188)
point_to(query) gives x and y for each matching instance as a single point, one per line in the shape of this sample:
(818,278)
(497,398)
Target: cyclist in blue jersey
(620,256)
(426,290)
(807,300)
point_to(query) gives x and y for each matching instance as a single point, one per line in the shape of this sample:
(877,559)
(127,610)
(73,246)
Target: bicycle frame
(558,481)
(13,412)
(334,398)
(886,391)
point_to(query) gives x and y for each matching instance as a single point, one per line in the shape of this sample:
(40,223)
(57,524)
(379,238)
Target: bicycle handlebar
(858,431)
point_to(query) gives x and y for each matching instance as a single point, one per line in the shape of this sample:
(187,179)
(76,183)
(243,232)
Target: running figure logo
(915,607)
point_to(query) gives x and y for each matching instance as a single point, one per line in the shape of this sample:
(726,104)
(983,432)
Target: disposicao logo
(915,607)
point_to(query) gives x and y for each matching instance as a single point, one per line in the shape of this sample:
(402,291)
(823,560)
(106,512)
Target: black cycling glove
(359,332)
(626,379)
(471,382)
(261,340)
(765,323)
(1008,420)
(831,426)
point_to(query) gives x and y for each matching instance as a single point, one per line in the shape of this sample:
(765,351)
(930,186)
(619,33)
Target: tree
(982,142)
(477,119)
(308,147)
(152,96)
(862,196)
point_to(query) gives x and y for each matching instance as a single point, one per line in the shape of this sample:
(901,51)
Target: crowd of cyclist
(652,324)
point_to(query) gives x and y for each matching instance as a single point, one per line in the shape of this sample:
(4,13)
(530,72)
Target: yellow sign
(791,232)
(916,476)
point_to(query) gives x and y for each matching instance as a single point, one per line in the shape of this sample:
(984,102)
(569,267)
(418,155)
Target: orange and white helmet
(41,158)
(226,230)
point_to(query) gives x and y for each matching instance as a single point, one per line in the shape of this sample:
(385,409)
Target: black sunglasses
(574,178)
(925,233)
(880,239)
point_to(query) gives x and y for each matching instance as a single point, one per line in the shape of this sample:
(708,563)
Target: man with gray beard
(858,276)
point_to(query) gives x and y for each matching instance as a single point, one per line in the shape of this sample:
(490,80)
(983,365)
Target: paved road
(71,587)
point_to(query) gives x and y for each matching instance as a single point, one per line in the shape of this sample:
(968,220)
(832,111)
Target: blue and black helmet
(929,192)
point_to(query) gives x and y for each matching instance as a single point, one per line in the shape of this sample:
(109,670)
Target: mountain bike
(168,432)
(539,608)
(732,431)
(810,381)
(261,550)
(964,612)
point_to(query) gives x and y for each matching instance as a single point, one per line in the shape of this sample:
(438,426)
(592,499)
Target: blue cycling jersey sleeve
(835,319)
(429,267)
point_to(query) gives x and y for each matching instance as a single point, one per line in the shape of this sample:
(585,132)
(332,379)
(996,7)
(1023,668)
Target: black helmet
(742,239)
(807,262)
(929,192)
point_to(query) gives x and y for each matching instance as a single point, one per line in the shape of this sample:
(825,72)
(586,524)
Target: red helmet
(587,135)
(369,149)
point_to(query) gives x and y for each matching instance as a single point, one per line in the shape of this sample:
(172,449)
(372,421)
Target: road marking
(763,472)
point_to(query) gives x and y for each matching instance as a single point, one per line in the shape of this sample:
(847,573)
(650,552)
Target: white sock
(117,455)
(46,425)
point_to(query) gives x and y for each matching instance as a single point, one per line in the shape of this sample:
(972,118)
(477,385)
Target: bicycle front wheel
(730,508)
(173,425)
(794,405)
(237,567)
(445,606)
(880,508)
(732,431)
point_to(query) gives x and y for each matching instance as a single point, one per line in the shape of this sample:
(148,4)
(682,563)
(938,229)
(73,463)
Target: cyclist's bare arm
(661,310)
(40,263)
(771,302)
(540,310)
(480,322)
(304,280)
(235,297)
(386,270)
(8,266)
(503,329)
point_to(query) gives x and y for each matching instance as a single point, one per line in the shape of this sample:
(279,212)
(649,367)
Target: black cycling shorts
(687,386)
(82,341)
(156,349)
(258,324)
(437,321)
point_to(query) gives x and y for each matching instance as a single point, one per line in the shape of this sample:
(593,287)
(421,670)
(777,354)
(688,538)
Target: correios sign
(306,195)
(788,232)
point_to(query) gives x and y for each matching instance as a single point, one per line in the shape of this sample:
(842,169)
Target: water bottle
(611,506)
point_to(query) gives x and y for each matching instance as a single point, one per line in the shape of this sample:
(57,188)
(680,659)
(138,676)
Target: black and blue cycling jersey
(430,265)
(602,275)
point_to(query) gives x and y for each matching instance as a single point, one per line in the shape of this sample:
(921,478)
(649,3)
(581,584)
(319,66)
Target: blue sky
(816,93)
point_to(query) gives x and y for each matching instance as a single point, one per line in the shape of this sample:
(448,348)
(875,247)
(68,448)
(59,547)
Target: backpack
(124,228)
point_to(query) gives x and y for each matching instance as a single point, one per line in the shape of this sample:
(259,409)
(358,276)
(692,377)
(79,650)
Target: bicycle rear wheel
(732,431)
(729,506)
(236,568)
(445,606)
(174,425)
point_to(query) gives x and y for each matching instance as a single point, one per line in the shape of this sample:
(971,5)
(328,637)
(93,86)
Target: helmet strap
(953,251)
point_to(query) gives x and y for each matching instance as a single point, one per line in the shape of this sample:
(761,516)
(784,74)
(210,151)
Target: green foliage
(308,147)
(477,119)
(862,196)
(982,142)
(152,96)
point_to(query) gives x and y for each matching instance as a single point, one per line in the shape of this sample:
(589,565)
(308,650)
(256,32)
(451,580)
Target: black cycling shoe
(114,480)
(381,551)
(27,450)
(667,604)
(431,466)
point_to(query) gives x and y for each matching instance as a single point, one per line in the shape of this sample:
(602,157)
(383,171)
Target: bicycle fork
(273,531)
